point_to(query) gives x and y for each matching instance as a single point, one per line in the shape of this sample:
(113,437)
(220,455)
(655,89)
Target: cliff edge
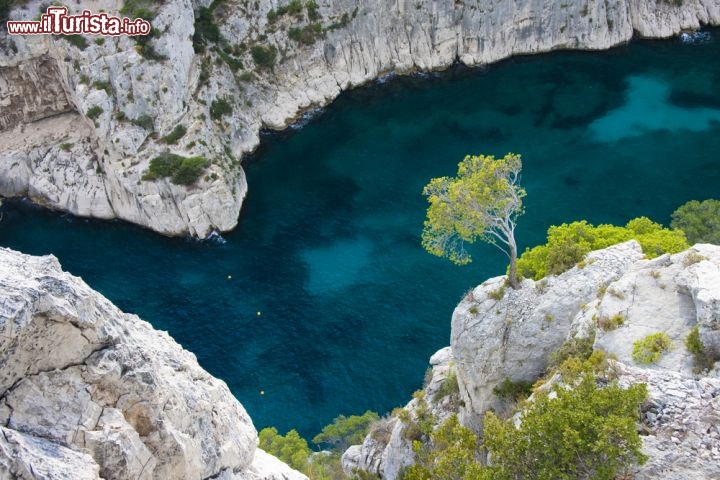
(82,119)
(89,392)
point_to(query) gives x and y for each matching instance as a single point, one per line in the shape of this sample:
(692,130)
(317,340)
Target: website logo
(57,22)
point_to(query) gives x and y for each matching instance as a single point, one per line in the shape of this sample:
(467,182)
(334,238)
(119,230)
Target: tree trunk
(512,272)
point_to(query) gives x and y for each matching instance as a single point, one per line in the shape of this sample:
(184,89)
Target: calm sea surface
(333,307)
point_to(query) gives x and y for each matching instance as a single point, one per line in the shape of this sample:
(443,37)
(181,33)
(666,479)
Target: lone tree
(483,201)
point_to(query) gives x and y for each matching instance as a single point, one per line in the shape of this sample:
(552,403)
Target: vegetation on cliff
(699,220)
(568,243)
(482,202)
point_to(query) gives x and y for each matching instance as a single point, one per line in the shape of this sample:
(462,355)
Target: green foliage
(497,294)
(482,202)
(205,29)
(607,324)
(291,448)
(699,220)
(138,9)
(103,85)
(295,8)
(77,41)
(650,348)
(312,10)
(219,108)
(65,147)
(145,121)
(451,454)
(94,112)
(346,431)
(576,347)
(181,170)
(306,35)
(448,387)
(420,425)
(693,343)
(264,56)
(568,243)
(585,432)
(513,391)
(178,132)
(702,358)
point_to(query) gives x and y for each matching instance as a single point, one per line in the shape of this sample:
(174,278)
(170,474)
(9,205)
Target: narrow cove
(322,301)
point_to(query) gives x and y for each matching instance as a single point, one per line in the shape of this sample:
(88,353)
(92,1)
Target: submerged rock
(87,391)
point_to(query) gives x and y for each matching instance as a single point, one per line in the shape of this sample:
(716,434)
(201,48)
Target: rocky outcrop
(519,329)
(617,297)
(172,85)
(388,448)
(87,391)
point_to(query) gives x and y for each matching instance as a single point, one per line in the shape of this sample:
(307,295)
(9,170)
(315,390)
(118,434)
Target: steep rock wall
(87,391)
(361,40)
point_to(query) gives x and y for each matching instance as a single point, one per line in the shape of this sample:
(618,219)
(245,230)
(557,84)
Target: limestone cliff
(615,296)
(88,392)
(52,152)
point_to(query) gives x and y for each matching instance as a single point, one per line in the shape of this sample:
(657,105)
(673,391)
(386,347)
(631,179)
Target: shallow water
(332,306)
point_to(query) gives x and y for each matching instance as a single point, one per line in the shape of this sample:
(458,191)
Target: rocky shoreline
(93,165)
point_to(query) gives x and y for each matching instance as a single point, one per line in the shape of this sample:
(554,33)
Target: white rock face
(500,333)
(682,417)
(387,448)
(100,175)
(86,386)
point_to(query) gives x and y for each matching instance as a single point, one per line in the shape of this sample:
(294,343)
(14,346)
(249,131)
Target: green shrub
(138,9)
(145,121)
(584,432)
(497,294)
(94,112)
(448,387)
(103,85)
(650,348)
(346,431)
(100,41)
(306,35)
(219,108)
(178,132)
(264,56)
(450,454)
(181,170)
(576,347)
(77,41)
(569,243)
(190,170)
(699,220)
(205,29)
(702,359)
(65,147)
(291,448)
(607,324)
(312,10)
(513,391)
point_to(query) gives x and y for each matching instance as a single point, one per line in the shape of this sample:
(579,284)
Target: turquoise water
(332,306)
